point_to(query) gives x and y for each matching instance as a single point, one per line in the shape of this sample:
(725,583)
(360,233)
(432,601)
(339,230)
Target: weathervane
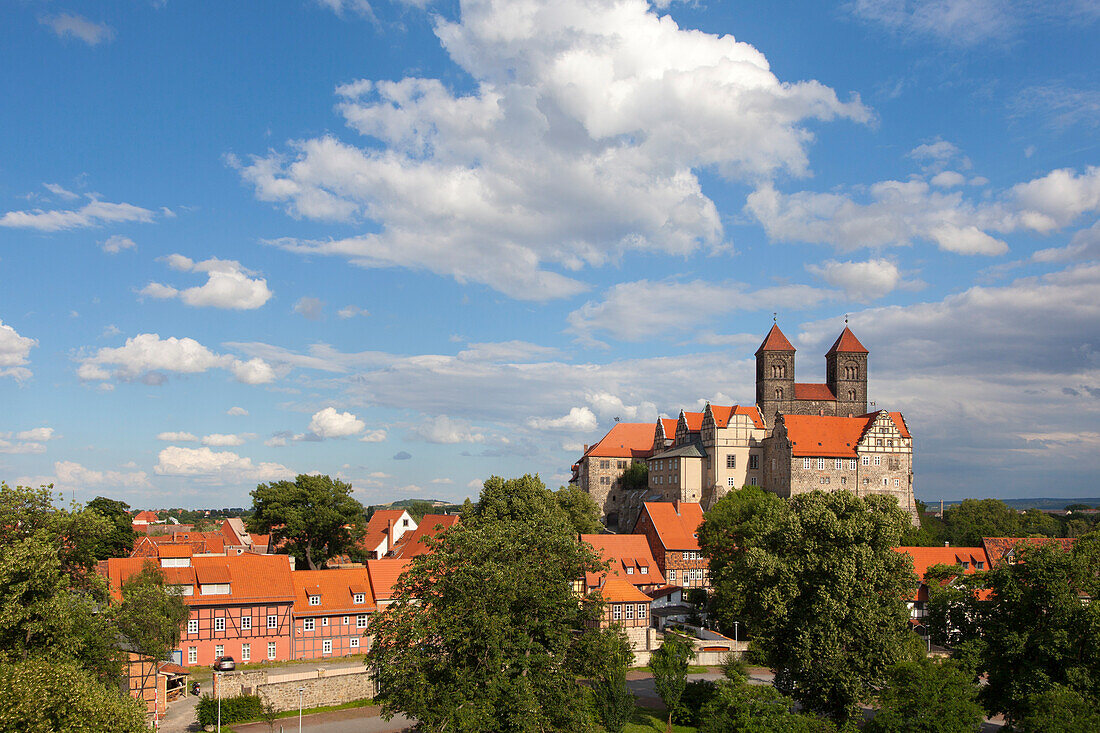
(845,319)
(775,318)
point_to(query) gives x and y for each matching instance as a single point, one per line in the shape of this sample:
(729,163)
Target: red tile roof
(623,551)
(618,590)
(412,543)
(251,578)
(669,424)
(925,557)
(806,391)
(847,342)
(146,516)
(384,575)
(626,440)
(775,341)
(722,414)
(381,526)
(337,589)
(677,531)
(825,436)
(167,550)
(694,421)
(997,547)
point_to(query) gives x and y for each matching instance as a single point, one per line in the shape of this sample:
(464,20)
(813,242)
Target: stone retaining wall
(319,686)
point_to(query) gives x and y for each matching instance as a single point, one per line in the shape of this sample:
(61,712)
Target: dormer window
(315,600)
(644,570)
(630,571)
(358,598)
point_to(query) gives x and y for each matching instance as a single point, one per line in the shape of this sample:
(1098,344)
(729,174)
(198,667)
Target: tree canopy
(819,584)
(316,515)
(927,697)
(486,632)
(669,664)
(119,539)
(581,509)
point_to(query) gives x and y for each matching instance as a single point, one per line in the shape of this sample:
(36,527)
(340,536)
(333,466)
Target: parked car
(224,664)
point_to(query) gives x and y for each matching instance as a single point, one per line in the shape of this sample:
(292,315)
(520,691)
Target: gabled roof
(146,516)
(336,589)
(997,548)
(623,551)
(925,557)
(846,342)
(722,414)
(694,421)
(807,391)
(626,440)
(618,590)
(412,543)
(174,551)
(775,341)
(832,437)
(251,578)
(384,575)
(676,522)
(381,526)
(669,424)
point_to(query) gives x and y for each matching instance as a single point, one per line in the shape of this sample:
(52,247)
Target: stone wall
(319,686)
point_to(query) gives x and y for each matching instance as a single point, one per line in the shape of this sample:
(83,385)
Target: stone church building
(798,437)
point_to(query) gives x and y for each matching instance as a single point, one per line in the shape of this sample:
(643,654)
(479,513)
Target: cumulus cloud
(116,243)
(93,214)
(219,440)
(147,357)
(374,436)
(622,104)
(633,311)
(217,466)
(861,281)
(70,25)
(948,179)
(442,429)
(1085,245)
(70,474)
(26,441)
(328,423)
(579,419)
(237,412)
(15,353)
(898,212)
(178,437)
(351,311)
(228,285)
(58,190)
(311,308)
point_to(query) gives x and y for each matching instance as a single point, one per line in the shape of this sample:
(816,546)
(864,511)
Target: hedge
(234,709)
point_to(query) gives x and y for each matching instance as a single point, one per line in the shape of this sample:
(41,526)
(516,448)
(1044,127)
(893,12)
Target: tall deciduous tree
(581,509)
(669,664)
(486,632)
(316,515)
(43,696)
(150,616)
(819,583)
(927,697)
(119,540)
(614,702)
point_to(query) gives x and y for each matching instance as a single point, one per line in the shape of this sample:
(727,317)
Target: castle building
(798,437)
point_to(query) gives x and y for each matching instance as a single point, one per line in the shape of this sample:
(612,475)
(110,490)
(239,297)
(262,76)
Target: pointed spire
(847,342)
(775,341)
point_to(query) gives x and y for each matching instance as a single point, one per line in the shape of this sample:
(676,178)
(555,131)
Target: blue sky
(417,244)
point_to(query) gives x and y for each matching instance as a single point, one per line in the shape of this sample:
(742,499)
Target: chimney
(585,448)
(946,544)
(389,532)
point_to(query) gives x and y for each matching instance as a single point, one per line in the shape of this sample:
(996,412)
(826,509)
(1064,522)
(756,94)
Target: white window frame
(192,627)
(878,460)
(219,623)
(309,624)
(731,482)
(246,623)
(629,611)
(865,460)
(272,650)
(630,570)
(358,598)
(852,464)
(272,621)
(820,464)
(807,463)
(361,621)
(838,464)
(616,611)
(642,609)
(246,652)
(315,600)
(324,620)
(219,650)
(672,575)
(897,482)
(354,643)
(192,655)
(326,646)
(346,620)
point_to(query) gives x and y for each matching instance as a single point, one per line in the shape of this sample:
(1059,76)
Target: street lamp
(300,691)
(219,686)
(735,623)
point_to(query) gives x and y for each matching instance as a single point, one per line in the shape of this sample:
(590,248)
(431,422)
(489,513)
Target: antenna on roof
(617,418)
(775,317)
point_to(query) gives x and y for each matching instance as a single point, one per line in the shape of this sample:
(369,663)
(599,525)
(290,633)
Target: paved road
(356,720)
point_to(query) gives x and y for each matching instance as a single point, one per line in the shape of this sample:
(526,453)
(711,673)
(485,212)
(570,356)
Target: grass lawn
(365,702)
(646,720)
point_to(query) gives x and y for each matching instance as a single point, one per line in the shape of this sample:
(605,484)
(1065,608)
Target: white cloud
(328,423)
(1059,105)
(70,25)
(1085,245)
(26,441)
(116,243)
(442,429)
(374,436)
(237,412)
(38,434)
(441,481)
(14,353)
(58,190)
(579,419)
(228,285)
(948,179)
(643,309)
(95,213)
(70,474)
(219,440)
(970,22)
(177,437)
(361,8)
(217,466)
(147,355)
(509,351)
(609,405)
(311,308)
(351,311)
(861,281)
(623,106)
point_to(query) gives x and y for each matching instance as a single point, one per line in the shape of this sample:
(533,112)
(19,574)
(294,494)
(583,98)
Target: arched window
(851,395)
(851,372)
(779,371)
(778,393)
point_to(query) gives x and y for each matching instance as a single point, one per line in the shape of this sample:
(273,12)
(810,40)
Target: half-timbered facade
(332,610)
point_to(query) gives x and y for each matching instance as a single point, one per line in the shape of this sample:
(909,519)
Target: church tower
(774,375)
(846,374)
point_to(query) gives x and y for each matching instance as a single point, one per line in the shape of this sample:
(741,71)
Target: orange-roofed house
(1003,549)
(384,530)
(629,556)
(626,606)
(332,611)
(383,578)
(201,543)
(868,455)
(671,529)
(972,560)
(413,544)
(241,605)
(600,469)
(238,539)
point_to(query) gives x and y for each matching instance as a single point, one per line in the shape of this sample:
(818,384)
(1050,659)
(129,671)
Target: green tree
(967,523)
(1060,710)
(953,617)
(43,696)
(119,540)
(486,632)
(818,581)
(1037,523)
(737,707)
(1037,633)
(149,616)
(927,697)
(581,509)
(635,477)
(669,664)
(316,515)
(614,702)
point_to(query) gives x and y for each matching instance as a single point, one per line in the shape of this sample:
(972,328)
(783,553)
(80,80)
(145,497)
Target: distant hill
(1043,503)
(406,503)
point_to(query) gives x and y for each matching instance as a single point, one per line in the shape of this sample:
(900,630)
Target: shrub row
(234,709)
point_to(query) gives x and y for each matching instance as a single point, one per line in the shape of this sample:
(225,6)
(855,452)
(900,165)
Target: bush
(696,694)
(234,709)
(1060,710)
